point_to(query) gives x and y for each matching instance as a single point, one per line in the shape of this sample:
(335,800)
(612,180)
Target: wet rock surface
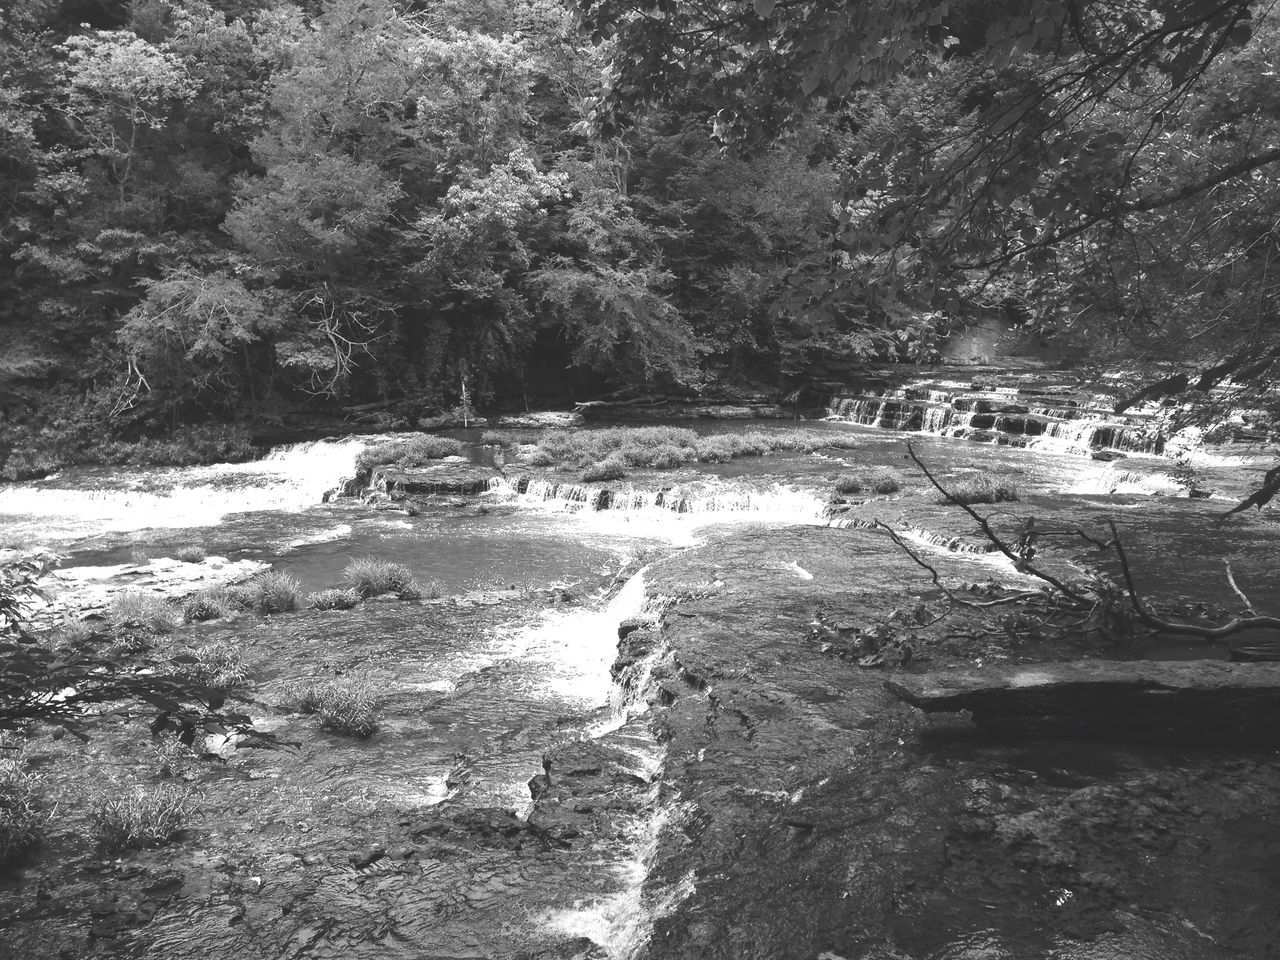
(820,817)
(1187,702)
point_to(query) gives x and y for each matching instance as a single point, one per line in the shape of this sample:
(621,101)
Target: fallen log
(1146,701)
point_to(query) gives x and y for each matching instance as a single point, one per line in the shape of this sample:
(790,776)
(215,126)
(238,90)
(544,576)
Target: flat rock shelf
(1193,701)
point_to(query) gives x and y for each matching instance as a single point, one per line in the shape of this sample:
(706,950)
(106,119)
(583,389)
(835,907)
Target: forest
(226,212)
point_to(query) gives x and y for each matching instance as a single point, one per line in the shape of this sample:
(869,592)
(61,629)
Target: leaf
(764,7)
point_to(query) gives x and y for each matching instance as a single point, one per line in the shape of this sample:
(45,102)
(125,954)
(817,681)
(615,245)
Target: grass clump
(138,818)
(191,553)
(219,665)
(348,707)
(414,452)
(983,489)
(612,467)
(274,592)
(144,611)
(24,814)
(369,576)
(879,481)
(211,603)
(73,632)
(333,599)
(665,448)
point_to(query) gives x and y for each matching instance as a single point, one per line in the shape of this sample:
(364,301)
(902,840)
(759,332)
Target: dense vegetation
(230,210)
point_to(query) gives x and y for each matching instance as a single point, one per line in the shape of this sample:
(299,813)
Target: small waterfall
(83,503)
(1042,421)
(702,501)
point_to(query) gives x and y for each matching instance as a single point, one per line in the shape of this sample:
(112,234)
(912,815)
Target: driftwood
(1147,701)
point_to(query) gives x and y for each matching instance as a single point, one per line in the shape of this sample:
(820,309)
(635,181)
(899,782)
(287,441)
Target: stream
(423,840)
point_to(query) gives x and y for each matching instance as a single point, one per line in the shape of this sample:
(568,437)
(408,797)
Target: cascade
(289,478)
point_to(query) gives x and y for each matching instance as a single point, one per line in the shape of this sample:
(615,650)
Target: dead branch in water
(1093,601)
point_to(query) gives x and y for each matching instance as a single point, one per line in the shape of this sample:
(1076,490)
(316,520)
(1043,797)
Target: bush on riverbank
(369,576)
(879,481)
(344,706)
(982,489)
(610,468)
(658,448)
(144,611)
(137,819)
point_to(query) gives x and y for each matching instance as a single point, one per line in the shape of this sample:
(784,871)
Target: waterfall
(79,503)
(709,500)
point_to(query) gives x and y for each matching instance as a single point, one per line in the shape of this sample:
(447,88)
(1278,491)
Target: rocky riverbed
(693,755)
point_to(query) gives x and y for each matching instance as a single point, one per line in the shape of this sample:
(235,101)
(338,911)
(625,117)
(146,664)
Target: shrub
(24,814)
(73,632)
(848,483)
(344,706)
(885,481)
(275,592)
(982,489)
(413,452)
(669,456)
(610,468)
(140,556)
(421,449)
(191,553)
(370,576)
(881,481)
(144,611)
(334,599)
(509,438)
(219,665)
(211,603)
(432,590)
(241,596)
(173,758)
(715,450)
(138,818)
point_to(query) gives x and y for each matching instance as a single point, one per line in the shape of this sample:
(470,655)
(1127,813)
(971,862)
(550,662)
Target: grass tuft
(144,611)
(138,818)
(610,468)
(983,489)
(219,665)
(414,452)
(344,706)
(369,576)
(334,599)
(274,592)
(879,481)
(211,603)
(24,813)
(191,553)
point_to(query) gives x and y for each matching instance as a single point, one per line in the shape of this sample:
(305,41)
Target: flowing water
(479,697)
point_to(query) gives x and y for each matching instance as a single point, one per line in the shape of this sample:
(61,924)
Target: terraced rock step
(1196,701)
(454,478)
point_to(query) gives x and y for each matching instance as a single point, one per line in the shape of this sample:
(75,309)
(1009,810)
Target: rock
(1195,701)
(1107,456)
(446,478)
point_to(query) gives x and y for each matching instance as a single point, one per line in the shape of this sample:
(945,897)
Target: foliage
(219,665)
(369,576)
(148,612)
(612,467)
(137,818)
(334,599)
(348,707)
(274,592)
(191,553)
(982,489)
(25,810)
(415,452)
(880,481)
